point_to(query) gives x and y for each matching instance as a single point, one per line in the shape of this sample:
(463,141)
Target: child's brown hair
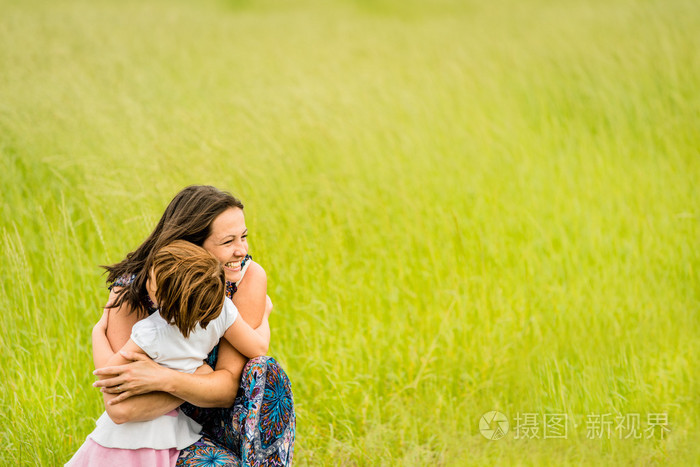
(190,285)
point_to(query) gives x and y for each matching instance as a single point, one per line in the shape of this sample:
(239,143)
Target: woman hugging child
(187,284)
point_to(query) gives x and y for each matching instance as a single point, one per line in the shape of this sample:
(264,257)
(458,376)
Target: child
(188,284)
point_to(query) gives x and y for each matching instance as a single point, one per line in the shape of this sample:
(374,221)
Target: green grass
(461,207)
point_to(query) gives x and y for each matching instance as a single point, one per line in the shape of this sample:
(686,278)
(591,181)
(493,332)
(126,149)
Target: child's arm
(248,341)
(144,379)
(144,410)
(128,406)
(129,385)
(119,413)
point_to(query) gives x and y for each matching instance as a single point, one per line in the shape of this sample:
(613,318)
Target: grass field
(461,206)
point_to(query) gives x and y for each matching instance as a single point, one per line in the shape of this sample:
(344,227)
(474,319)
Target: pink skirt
(92,454)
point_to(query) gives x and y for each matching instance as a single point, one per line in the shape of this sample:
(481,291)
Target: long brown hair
(188,217)
(190,285)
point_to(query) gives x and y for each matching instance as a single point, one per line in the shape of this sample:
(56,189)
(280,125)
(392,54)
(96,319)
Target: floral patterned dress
(258,430)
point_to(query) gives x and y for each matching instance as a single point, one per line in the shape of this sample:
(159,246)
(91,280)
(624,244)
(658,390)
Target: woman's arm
(137,377)
(144,376)
(253,304)
(114,334)
(251,298)
(205,388)
(117,413)
(101,350)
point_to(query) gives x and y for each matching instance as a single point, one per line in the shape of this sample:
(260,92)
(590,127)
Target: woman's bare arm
(252,303)
(251,298)
(145,381)
(137,376)
(101,350)
(117,413)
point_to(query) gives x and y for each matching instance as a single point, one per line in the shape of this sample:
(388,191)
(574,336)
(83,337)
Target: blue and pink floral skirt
(258,430)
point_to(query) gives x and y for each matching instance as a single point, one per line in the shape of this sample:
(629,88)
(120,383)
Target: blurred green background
(461,207)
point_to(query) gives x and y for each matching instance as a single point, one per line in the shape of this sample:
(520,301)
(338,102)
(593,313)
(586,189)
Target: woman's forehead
(229,222)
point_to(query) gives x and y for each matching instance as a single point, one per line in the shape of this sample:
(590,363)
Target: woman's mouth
(233,266)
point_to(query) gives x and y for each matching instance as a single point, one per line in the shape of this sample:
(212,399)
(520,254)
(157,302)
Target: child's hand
(268,306)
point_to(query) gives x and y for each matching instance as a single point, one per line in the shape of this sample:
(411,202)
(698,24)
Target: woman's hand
(140,376)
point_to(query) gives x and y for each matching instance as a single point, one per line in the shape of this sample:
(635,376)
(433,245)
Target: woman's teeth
(233,265)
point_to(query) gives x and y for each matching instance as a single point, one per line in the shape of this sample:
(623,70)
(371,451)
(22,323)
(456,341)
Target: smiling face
(227,241)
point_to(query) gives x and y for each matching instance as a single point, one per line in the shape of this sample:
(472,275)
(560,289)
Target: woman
(245,407)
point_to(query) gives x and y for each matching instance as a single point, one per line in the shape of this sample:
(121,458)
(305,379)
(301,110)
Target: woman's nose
(240,249)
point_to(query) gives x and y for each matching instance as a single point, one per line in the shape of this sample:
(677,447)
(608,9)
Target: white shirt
(166,345)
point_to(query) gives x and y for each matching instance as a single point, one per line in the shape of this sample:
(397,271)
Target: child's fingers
(108,383)
(133,355)
(120,398)
(110,370)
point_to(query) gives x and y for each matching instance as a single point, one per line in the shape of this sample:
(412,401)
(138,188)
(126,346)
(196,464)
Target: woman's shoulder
(255,272)
(254,276)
